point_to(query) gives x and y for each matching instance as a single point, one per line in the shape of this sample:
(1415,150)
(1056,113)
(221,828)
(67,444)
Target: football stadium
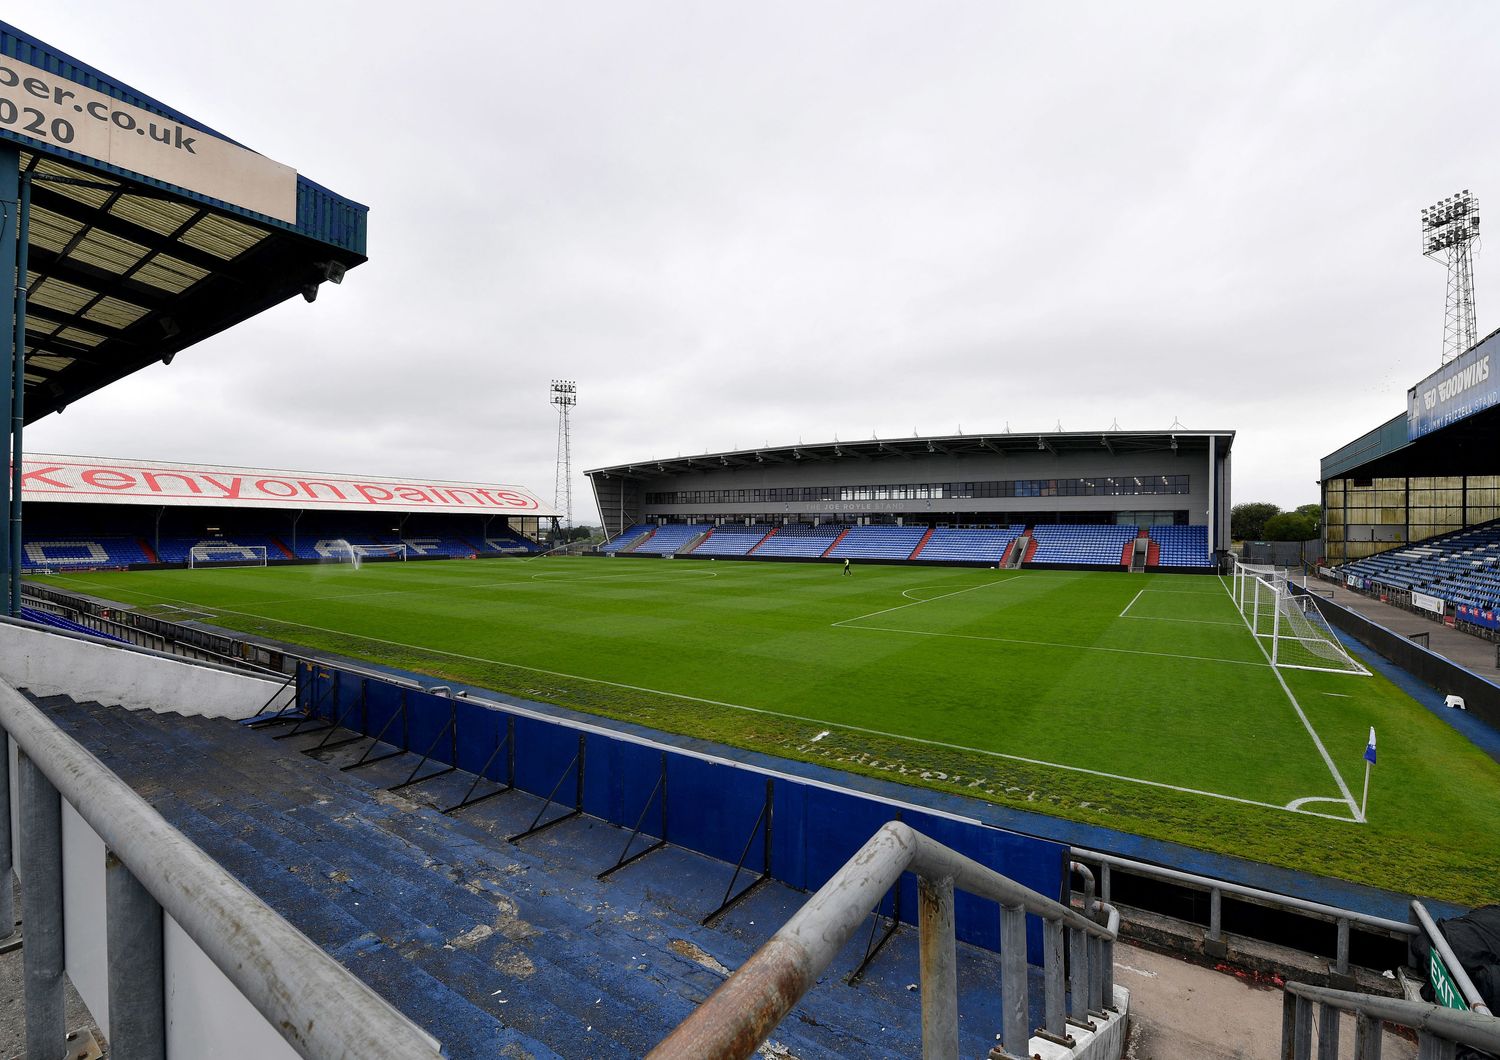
(849,748)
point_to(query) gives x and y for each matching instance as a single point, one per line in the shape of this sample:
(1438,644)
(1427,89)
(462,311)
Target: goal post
(375,551)
(1293,631)
(226,556)
(355,553)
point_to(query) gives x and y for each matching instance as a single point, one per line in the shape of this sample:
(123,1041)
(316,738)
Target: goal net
(356,554)
(227,556)
(1292,629)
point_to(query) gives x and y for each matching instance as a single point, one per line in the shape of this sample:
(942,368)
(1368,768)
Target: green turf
(1030,688)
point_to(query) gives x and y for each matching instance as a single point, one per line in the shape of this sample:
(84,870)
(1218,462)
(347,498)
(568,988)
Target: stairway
(921,544)
(1137,552)
(1020,550)
(637,543)
(842,534)
(495,948)
(763,540)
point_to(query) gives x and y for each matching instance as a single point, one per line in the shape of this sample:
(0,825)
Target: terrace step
(438,912)
(921,544)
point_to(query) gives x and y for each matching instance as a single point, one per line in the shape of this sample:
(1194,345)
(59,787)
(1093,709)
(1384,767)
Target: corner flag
(1364,802)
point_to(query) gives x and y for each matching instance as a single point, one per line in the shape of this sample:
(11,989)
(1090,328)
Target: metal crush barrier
(320,1008)
(738,1016)
(1439,1030)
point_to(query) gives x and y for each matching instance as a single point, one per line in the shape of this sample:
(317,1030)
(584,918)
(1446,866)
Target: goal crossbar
(1299,636)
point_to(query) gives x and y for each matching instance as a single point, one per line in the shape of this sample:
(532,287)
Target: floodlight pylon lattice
(564,394)
(1450,233)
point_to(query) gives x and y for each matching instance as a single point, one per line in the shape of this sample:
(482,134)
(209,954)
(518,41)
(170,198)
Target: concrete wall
(49,663)
(1105,1042)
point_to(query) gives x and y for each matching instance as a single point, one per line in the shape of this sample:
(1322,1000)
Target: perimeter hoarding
(1462,387)
(109,480)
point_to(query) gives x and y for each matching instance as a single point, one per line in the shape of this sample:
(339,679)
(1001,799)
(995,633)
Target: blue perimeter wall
(712,806)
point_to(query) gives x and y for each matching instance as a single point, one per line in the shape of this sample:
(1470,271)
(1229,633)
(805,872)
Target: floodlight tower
(564,395)
(1449,228)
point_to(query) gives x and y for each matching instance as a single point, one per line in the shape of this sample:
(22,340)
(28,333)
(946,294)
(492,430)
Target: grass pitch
(1139,702)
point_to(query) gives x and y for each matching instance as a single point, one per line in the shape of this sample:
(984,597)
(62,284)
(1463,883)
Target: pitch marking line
(914,603)
(1306,724)
(498,583)
(773,713)
(1058,644)
(1159,618)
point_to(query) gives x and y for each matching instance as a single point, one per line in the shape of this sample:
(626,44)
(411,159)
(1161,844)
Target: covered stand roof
(1058,443)
(157,483)
(136,250)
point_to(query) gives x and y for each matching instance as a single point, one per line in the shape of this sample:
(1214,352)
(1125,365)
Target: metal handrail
(112,629)
(1439,942)
(737,1017)
(319,1007)
(1434,1024)
(1342,918)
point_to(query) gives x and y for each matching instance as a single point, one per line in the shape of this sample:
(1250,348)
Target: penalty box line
(1158,618)
(1348,796)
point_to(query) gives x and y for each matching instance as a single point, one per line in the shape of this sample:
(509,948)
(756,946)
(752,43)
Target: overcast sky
(740,224)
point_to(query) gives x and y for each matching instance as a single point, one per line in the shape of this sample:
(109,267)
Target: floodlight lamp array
(1450,222)
(564,392)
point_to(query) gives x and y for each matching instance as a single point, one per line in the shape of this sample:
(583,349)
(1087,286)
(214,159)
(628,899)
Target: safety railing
(139,631)
(320,1008)
(737,1017)
(1439,1030)
(1343,919)
(1468,993)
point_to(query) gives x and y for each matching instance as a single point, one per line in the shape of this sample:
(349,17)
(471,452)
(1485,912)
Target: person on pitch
(847,569)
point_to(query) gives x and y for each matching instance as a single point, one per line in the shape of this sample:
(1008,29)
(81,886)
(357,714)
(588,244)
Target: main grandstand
(1143,500)
(1411,509)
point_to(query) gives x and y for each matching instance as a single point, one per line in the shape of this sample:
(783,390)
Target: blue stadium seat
(731,540)
(61,552)
(1182,546)
(1460,568)
(879,542)
(954,544)
(1085,545)
(800,540)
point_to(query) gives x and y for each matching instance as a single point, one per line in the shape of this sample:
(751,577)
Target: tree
(1313,512)
(1247,522)
(1290,526)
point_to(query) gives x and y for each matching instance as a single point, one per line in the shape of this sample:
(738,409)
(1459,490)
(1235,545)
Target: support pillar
(41,910)
(18,394)
(137,999)
(10,210)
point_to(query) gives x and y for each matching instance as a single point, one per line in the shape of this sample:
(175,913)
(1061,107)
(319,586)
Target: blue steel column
(10,201)
(7,887)
(41,910)
(18,394)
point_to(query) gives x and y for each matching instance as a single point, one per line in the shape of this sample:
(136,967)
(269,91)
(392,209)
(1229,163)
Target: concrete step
(626,956)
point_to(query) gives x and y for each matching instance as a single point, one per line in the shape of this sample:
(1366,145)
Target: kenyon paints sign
(53,110)
(89,480)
